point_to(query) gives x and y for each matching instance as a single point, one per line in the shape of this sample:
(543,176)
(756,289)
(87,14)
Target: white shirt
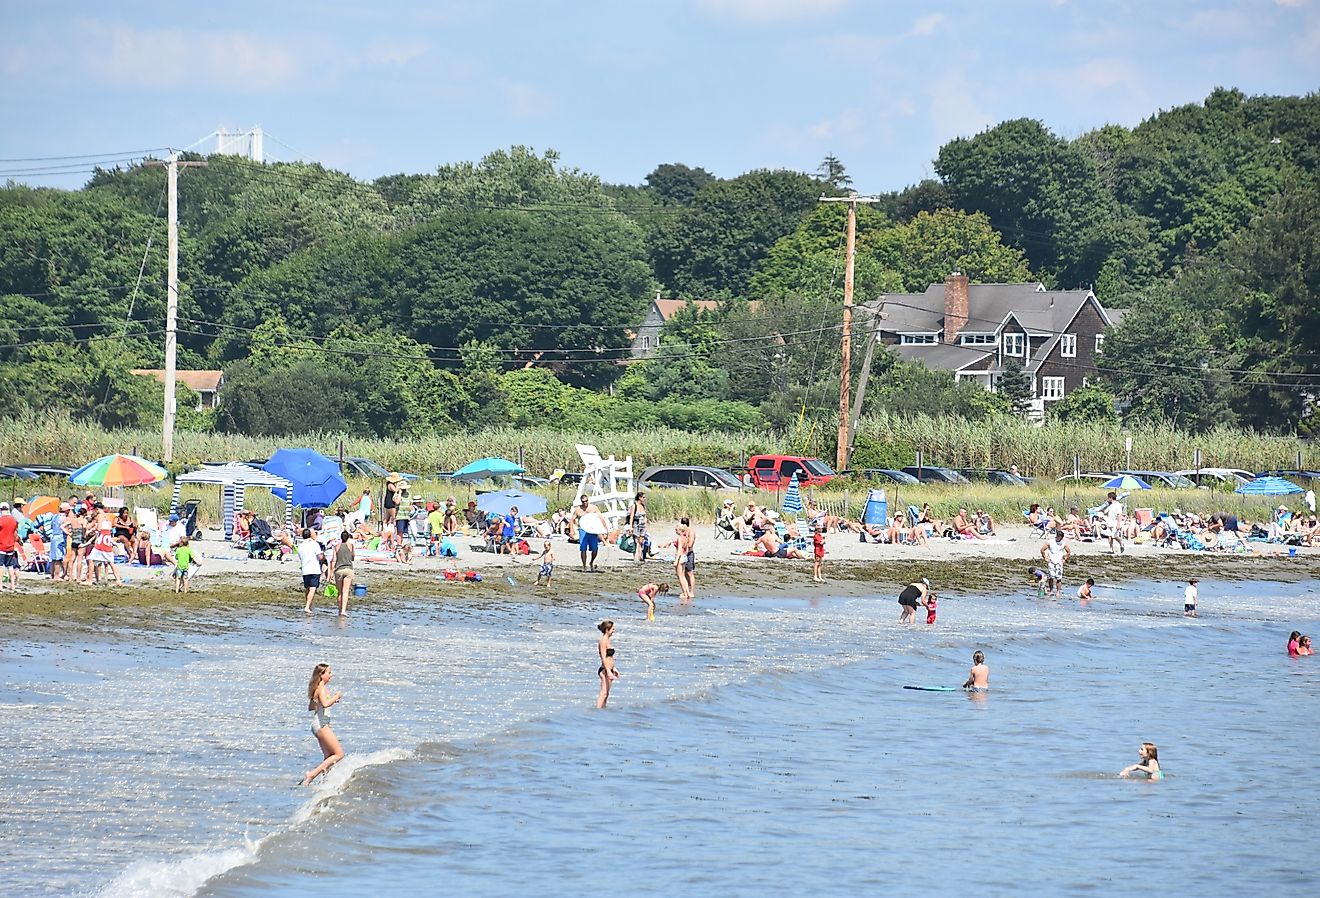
(309,552)
(1113,511)
(1189,595)
(1310,500)
(1055,551)
(175,534)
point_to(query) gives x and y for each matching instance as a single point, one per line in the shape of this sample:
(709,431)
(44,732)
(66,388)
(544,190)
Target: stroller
(261,541)
(188,515)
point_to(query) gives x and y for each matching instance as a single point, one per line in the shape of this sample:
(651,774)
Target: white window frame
(1099,344)
(918,339)
(1015,340)
(1086,381)
(1068,346)
(978,339)
(1051,388)
(646,341)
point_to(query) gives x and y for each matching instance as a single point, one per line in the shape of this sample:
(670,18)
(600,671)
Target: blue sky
(618,87)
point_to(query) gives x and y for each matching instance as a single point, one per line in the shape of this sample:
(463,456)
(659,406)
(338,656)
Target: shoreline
(229,581)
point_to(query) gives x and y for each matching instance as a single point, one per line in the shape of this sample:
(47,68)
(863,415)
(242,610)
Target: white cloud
(954,112)
(766,11)
(150,57)
(929,23)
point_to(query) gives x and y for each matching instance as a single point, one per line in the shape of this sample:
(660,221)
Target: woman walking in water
(606,672)
(319,701)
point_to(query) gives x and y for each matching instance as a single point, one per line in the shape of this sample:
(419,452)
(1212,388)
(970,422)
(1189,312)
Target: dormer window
(977,339)
(916,339)
(1015,344)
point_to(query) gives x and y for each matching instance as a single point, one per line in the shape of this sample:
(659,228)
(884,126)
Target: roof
(233,474)
(951,357)
(197,381)
(988,305)
(667,307)
(1116,316)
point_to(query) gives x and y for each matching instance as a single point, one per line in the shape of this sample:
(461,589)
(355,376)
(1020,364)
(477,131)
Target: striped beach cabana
(234,479)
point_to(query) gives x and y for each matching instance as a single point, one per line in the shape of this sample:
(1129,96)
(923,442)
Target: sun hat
(173,518)
(4,506)
(925,581)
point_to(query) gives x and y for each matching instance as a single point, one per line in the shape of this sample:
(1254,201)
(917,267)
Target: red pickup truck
(770,472)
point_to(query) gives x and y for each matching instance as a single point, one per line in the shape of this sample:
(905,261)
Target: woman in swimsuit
(913,594)
(606,671)
(648,595)
(319,701)
(1149,763)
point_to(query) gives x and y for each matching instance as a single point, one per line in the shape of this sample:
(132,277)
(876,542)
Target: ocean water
(753,746)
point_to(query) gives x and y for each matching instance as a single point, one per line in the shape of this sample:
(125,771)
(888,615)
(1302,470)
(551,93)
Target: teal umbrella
(486,468)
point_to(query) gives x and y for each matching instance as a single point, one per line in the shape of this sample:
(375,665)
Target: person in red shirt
(9,561)
(817,554)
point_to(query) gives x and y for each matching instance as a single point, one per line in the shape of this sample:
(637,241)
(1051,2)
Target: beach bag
(524,547)
(628,543)
(447,549)
(452,575)
(331,591)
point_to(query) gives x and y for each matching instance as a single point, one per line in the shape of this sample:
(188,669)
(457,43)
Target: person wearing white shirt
(311,557)
(1113,512)
(1309,499)
(1189,598)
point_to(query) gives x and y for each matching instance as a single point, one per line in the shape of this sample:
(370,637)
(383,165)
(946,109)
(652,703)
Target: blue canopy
(1126,482)
(500,502)
(316,479)
(486,468)
(1268,486)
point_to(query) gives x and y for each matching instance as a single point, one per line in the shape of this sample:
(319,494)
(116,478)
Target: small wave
(181,878)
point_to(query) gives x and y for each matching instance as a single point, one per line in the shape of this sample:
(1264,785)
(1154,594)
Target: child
(1304,646)
(648,593)
(978,678)
(1038,577)
(547,559)
(184,565)
(1084,591)
(1294,644)
(1149,763)
(930,609)
(818,554)
(1189,599)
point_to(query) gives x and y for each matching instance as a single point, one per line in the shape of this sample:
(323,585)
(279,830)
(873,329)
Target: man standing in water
(1055,553)
(1189,598)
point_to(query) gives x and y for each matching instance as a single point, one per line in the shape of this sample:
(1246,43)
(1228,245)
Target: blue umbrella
(1126,482)
(316,480)
(500,502)
(1268,486)
(793,497)
(486,468)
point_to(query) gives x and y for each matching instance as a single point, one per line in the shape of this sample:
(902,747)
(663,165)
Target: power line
(114,154)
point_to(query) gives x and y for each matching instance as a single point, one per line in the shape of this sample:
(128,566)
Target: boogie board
(933,688)
(593,523)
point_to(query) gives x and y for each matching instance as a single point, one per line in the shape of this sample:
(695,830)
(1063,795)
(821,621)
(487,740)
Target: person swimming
(1294,644)
(1149,763)
(978,678)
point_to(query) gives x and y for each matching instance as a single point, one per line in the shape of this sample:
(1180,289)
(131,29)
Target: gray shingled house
(974,330)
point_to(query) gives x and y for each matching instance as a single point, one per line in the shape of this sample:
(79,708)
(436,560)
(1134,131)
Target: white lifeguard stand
(607,483)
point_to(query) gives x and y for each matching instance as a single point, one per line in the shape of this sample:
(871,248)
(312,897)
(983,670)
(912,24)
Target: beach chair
(37,559)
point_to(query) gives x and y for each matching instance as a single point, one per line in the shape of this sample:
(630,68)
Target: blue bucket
(359,589)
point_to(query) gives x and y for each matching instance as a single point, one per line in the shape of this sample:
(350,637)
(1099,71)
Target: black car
(935,474)
(993,476)
(11,473)
(57,471)
(887,475)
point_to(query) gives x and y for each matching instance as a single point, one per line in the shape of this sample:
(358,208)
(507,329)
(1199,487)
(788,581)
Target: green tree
(810,261)
(1015,387)
(931,246)
(677,183)
(834,174)
(1085,405)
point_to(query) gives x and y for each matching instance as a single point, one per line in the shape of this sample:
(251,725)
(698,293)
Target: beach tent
(876,512)
(234,480)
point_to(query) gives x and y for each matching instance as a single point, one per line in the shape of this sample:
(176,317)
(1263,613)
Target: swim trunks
(588,542)
(547,569)
(690,560)
(311,581)
(1187,608)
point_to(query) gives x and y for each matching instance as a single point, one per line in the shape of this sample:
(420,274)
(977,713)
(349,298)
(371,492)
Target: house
(976,330)
(206,384)
(646,339)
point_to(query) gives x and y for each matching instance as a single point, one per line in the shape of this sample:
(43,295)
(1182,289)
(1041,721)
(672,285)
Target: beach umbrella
(118,470)
(486,468)
(1268,486)
(793,497)
(1126,482)
(39,505)
(316,479)
(500,502)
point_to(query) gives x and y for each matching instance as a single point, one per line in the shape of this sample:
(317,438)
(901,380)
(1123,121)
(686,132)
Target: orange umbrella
(39,505)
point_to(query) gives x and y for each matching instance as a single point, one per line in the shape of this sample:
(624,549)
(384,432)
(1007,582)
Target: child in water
(1304,646)
(648,593)
(930,609)
(1149,763)
(978,678)
(1084,591)
(817,554)
(1038,577)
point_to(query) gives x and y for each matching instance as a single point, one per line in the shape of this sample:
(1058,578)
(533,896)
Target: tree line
(507,290)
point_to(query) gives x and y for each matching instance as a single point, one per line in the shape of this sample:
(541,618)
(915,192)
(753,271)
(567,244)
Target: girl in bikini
(606,671)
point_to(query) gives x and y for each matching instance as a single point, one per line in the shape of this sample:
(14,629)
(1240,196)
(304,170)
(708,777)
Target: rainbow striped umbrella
(118,470)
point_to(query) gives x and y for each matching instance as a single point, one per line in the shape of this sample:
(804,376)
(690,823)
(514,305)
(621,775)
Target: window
(1086,381)
(912,339)
(1099,344)
(1051,388)
(977,339)
(1014,344)
(1068,346)
(646,342)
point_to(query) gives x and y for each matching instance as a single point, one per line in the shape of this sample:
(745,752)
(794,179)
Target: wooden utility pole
(845,350)
(863,377)
(172,165)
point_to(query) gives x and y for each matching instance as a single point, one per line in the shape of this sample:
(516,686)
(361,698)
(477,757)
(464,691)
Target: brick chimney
(955,306)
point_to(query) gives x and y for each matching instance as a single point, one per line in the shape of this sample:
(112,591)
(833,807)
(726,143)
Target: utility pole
(863,377)
(171,165)
(845,350)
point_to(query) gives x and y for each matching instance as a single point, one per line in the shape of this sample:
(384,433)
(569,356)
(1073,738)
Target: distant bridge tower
(249,144)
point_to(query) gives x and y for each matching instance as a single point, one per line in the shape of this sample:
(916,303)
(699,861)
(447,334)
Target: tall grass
(883,441)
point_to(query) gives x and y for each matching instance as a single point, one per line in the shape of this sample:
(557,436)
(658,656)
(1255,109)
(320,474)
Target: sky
(619,86)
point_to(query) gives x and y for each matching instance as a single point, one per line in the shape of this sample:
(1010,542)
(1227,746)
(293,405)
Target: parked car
(993,476)
(1165,479)
(689,476)
(59,472)
(1094,478)
(935,474)
(775,471)
(357,466)
(11,473)
(1296,476)
(1217,477)
(887,475)
(527,481)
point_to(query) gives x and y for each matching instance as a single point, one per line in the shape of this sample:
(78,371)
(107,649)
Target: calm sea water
(752,747)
